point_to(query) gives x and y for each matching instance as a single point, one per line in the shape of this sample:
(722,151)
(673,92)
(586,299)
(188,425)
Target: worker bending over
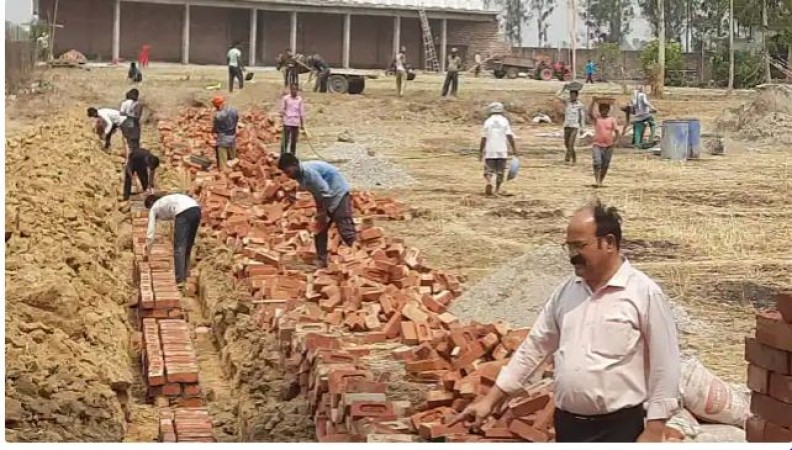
(293,116)
(186,214)
(143,164)
(224,127)
(331,193)
(610,335)
(318,64)
(642,115)
(109,119)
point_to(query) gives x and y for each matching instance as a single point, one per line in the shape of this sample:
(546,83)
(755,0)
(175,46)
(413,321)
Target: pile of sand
(767,117)
(67,341)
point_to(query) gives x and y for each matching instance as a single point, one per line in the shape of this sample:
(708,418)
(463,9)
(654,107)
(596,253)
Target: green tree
(515,15)
(675,16)
(673,61)
(614,15)
(542,10)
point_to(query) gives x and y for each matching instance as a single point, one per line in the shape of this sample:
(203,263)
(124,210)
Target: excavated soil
(67,270)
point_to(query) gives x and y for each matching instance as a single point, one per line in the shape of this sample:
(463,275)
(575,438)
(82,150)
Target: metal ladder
(430,57)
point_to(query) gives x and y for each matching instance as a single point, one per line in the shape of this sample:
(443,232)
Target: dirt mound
(67,357)
(767,117)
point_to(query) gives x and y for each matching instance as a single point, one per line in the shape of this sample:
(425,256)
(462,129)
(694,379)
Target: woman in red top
(606,134)
(143,56)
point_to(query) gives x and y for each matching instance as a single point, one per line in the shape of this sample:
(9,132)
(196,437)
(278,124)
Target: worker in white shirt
(613,342)
(496,137)
(132,109)
(110,118)
(235,67)
(186,214)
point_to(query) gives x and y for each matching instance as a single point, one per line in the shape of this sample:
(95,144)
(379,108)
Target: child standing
(606,134)
(293,114)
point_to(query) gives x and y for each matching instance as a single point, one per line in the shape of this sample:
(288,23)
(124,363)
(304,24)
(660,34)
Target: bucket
(694,138)
(676,139)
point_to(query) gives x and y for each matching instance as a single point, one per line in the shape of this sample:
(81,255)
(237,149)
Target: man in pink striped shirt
(293,115)
(613,342)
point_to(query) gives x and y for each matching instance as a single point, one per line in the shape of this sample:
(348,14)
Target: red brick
(772,410)
(527,432)
(409,333)
(522,408)
(755,429)
(432,305)
(460,404)
(426,365)
(429,416)
(544,418)
(772,331)
(767,357)
(430,431)
(437,399)
(413,311)
(192,389)
(784,305)
(337,379)
(780,387)
(491,431)
(472,352)
(500,353)
(423,333)
(776,433)
(369,234)
(392,327)
(379,410)
(171,389)
(514,339)
(365,386)
(758,379)
(315,341)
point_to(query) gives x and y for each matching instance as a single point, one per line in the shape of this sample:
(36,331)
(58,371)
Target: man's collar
(619,279)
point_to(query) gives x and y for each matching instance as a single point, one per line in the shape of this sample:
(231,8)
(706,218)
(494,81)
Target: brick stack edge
(376,303)
(769,355)
(168,357)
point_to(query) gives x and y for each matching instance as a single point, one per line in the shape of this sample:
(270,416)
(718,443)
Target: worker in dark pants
(287,63)
(186,214)
(235,67)
(107,122)
(143,164)
(331,193)
(322,72)
(452,74)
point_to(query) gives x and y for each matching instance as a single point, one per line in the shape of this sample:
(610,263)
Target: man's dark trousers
(624,425)
(138,168)
(235,73)
(185,230)
(342,217)
(452,81)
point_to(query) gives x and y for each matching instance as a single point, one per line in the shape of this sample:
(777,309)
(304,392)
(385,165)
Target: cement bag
(710,398)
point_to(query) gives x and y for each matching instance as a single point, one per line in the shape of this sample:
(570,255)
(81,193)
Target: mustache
(577,260)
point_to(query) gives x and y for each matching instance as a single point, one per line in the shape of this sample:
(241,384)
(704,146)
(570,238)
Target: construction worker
(133,110)
(477,68)
(318,64)
(606,135)
(134,75)
(293,115)
(143,164)
(235,67)
(287,63)
(400,63)
(591,68)
(333,204)
(609,331)
(43,46)
(574,120)
(224,126)
(642,115)
(496,138)
(452,74)
(186,214)
(109,119)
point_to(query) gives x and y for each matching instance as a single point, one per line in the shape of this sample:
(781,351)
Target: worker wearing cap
(452,74)
(496,137)
(225,128)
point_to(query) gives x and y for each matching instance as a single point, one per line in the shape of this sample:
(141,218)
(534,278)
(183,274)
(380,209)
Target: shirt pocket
(614,337)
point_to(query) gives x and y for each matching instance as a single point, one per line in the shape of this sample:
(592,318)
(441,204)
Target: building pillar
(293,32)
(347,34)
(116,30)
(253,37)
(396,35)
(186,35)
(443,44)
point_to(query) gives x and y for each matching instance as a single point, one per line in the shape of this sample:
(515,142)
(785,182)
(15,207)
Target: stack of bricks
(169,364)
(769,355)
(377,294)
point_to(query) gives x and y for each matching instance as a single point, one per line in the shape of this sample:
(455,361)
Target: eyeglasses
(578,246)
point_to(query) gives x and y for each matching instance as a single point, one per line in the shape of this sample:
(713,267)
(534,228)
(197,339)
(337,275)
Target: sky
(20,11)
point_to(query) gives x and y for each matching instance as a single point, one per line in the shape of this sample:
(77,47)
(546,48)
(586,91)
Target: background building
(347,33)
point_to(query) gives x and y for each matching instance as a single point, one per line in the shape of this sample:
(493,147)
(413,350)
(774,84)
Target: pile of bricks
(376,303)
(168,358)
(769,355)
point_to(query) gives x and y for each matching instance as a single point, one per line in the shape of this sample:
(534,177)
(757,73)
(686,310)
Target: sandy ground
(712,231)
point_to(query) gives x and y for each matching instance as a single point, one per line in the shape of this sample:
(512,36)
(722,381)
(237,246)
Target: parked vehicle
(541,68)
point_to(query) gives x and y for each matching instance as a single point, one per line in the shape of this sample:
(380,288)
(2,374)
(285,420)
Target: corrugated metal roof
(436,5)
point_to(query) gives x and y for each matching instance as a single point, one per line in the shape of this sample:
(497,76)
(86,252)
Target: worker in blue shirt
(590,69)
(331,193)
